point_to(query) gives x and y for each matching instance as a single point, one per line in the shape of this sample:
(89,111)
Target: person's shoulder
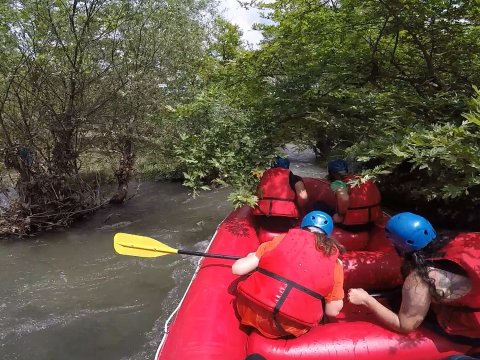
(414,280)
(295,178)
(269,245)
(337,185)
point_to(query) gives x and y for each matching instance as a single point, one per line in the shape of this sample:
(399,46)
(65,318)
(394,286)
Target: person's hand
(303,195)
(338,218)
(358,296)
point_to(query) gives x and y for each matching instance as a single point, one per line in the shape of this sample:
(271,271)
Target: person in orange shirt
(296,280)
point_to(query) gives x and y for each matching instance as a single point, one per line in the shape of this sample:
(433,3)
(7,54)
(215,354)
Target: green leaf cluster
(381,81)
(220,143)
(444,157)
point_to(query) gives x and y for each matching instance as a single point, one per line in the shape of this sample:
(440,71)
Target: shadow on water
(68,295)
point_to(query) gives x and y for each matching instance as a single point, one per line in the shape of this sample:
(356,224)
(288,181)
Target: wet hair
(419,260)
(327,244)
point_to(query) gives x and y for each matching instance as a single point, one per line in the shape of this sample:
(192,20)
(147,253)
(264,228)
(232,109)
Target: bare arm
(416,301)
(245,265)
(333,308)
(342,204)
(301,190)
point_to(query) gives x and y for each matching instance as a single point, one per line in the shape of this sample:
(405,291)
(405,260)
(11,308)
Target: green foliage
(88,77)
(383,81)
(389,81)
(241,197)
(445,154)
(225,134)
(220,144)
(83,82)
(228,42)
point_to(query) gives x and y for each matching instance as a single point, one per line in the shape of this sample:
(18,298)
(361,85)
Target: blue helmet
(281,162)
(318,219)
(409,232)
(337,166)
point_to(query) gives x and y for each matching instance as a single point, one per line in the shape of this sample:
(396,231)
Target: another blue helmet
(281,162)
(320,220)
(337,166)
(409,232)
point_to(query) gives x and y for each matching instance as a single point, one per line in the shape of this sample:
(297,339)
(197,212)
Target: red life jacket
(292,280)
(363,204)
(462,316)
(276,197)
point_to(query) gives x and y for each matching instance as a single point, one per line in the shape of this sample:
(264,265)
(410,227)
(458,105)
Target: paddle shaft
(218,256)
(379,294)
(127,244)
(397,292)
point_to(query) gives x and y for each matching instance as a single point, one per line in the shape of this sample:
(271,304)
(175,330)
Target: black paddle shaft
(389,293)
(218,256)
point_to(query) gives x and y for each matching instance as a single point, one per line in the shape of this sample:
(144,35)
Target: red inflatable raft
(205,325)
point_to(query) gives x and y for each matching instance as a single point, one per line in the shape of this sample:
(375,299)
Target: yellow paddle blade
(136,245)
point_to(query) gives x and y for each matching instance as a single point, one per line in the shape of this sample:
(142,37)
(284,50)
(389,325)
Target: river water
(68,295)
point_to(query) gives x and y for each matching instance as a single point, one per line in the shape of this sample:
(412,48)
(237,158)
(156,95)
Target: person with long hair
(296,280)
(442,274)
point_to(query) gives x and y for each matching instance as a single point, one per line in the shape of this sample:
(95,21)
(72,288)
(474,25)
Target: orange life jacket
(275,196)
(292,280)
(364,203)
(462,316)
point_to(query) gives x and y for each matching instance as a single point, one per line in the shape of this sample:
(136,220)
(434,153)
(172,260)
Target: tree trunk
(63,152)
(124,172)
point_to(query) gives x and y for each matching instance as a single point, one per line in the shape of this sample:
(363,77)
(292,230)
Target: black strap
(277,199)
(368,207)
(271,203)
(277,307)
(363,207)
(291,284)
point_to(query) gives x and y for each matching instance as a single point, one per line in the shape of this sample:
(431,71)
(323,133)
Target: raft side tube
(355,335)
(356,341)
(206,326)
